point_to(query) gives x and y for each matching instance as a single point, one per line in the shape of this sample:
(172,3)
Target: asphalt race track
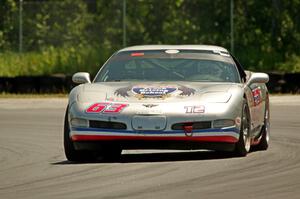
(32,162)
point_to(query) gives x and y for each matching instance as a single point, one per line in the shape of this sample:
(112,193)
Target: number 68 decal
(106,108)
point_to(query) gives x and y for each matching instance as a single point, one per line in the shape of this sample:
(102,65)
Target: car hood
(158,92)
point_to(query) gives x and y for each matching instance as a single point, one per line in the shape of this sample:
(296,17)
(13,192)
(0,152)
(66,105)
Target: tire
(265,132)
(243,145)
(107,153)
(71,153)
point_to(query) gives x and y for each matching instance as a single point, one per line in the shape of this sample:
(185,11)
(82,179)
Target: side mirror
(258,78)
(81,78)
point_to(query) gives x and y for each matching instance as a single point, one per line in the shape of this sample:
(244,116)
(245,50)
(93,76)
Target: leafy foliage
(70,35)
(67,60)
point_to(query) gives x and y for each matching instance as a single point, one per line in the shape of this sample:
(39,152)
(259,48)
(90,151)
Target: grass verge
(26,96)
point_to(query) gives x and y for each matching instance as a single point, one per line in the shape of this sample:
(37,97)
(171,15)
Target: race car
(167,97)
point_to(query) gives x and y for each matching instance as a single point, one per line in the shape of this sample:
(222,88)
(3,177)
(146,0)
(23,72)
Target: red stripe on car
(228,139)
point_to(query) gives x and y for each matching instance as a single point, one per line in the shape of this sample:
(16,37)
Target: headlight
(223,123)
(77,122)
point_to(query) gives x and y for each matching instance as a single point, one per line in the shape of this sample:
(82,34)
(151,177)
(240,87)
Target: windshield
(169,65)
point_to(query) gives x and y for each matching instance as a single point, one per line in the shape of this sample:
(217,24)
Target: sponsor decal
(148,91)
(256,96)
(194,109)
(106,108)
(153,92)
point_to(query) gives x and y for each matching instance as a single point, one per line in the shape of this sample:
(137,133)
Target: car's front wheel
(71,153)
(243,145)
(108,153)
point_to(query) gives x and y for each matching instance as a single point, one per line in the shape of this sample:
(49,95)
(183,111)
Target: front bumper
(224,135)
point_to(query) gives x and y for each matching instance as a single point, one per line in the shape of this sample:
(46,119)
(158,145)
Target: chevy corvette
(167,97)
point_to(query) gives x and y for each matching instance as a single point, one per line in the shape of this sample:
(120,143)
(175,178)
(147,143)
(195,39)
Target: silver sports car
(167,97)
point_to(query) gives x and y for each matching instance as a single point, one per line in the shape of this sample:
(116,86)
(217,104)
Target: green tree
(8,32)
